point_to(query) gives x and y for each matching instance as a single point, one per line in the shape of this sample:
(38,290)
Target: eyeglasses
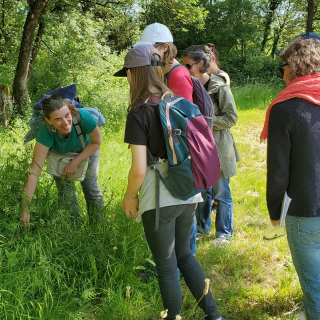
(281,69)
(189,66)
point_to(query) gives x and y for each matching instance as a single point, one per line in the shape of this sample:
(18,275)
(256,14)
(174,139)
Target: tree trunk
(273,5)
(36,48)
(5,105)
(310,15)
(20,83)
(3,19)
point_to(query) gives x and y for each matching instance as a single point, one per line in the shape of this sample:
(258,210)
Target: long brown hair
(143,81)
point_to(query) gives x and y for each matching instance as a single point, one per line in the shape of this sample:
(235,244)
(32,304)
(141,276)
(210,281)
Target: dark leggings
(170,246)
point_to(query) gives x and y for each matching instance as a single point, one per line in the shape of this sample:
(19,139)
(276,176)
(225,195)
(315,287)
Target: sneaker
(219,242)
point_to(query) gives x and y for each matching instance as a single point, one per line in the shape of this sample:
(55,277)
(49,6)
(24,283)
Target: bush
(252,69)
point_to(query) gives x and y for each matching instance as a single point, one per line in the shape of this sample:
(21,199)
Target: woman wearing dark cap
(169,243)
(292,127)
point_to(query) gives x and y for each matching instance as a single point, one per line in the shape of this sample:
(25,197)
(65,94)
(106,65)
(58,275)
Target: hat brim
(121,73)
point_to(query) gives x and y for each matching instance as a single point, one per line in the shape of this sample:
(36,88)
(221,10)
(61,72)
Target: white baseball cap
(155,32)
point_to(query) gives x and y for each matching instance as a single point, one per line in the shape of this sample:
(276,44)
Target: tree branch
(101,4)
(48,47)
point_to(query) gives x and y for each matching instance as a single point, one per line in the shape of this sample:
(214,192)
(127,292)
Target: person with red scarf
(292,130)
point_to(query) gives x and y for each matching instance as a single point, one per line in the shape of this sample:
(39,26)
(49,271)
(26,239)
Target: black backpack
(200,97)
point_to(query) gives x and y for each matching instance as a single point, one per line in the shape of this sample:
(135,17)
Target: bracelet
(130,197)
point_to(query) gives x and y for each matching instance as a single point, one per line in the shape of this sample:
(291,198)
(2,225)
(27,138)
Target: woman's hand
(71,168)
(39,156)
(130,206)
(275,222)
(25,219)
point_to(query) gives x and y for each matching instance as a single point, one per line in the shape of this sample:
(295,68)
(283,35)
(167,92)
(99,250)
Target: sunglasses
(189,66)
(281,69)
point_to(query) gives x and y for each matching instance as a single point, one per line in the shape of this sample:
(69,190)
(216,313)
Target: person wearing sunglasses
(284,72)
(292,130)
(197,60)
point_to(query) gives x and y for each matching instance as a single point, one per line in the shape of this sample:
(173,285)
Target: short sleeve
(136,128)
(88,124)
(45,137)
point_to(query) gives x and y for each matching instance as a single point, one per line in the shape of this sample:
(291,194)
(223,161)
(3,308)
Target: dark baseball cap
(306,35)
(139,56)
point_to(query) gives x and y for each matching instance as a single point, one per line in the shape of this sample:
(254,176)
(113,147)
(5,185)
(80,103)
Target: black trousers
(170,246)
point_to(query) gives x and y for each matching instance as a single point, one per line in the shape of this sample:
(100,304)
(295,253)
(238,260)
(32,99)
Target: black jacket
(293,159)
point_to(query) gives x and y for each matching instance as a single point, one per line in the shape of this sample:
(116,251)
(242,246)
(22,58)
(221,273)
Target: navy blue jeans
(224,215)
(304,241)
(170,246)
(91,191)
(203,212)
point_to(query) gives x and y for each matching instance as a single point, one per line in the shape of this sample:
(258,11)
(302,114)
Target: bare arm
(89,150)
(39,156)
(136,176)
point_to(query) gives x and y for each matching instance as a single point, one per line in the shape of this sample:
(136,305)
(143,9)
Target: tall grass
(57,271)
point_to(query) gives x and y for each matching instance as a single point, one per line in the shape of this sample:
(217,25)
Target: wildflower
(114,248)
(128,291)
(206,287)
(178,317)
(164,314)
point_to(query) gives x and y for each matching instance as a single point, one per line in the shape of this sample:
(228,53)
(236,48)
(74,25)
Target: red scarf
(306,87)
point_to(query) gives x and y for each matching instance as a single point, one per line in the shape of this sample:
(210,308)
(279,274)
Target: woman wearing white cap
(177,77)
(169,243)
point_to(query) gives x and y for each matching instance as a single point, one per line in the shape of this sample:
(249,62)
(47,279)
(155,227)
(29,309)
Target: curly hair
(199,53)
(302,56)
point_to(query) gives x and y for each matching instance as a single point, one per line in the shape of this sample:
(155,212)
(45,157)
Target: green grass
(55,271)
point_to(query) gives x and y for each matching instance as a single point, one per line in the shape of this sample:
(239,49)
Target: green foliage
(252,69)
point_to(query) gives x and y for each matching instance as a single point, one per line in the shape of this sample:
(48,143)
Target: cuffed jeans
(203,212)
(224,215)
(91,191)
(303,235)
(170,246)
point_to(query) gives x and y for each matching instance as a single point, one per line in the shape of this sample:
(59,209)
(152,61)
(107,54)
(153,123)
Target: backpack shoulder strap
(77,125)
(167,75)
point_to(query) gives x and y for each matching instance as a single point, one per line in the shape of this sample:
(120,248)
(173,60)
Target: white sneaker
(219,241)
